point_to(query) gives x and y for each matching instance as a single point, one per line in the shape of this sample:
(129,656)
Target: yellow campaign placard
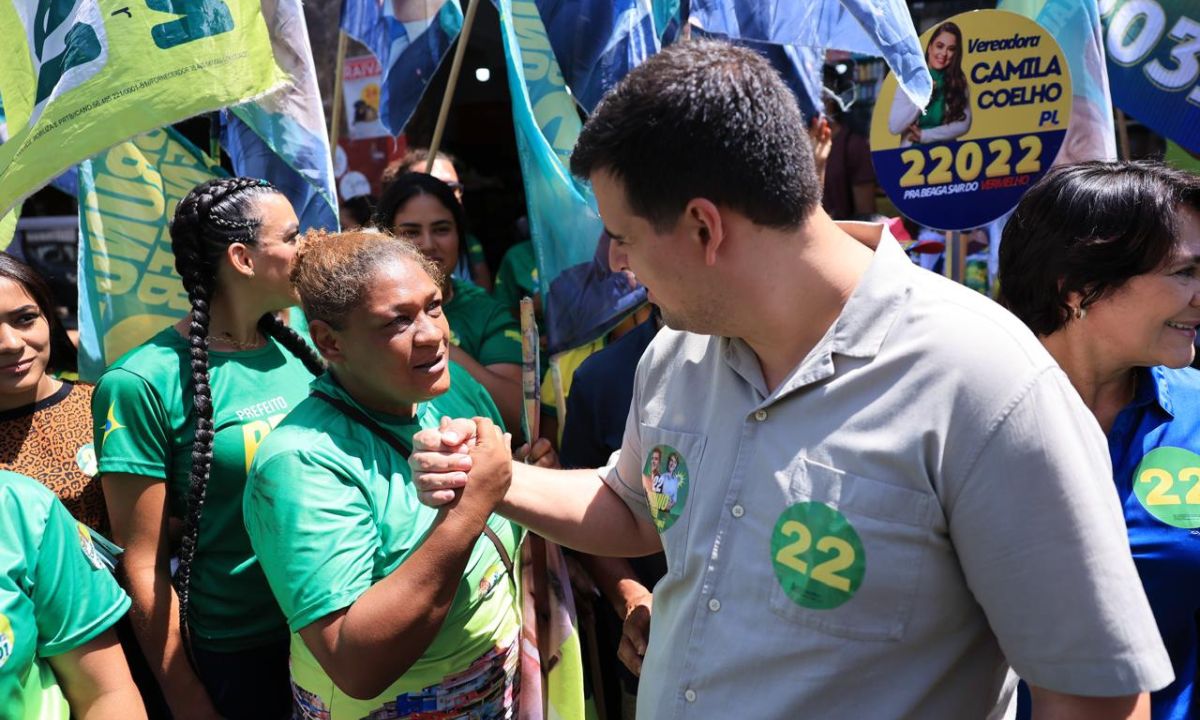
(78,76)
(128,287)
(999,112)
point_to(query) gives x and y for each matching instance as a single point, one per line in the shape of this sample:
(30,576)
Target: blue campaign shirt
(1154,444)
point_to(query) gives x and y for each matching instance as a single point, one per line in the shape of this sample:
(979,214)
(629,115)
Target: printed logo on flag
(78,76)
(67,44)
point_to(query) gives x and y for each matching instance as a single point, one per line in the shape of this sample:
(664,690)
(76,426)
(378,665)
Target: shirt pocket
(846,555)
(670,464)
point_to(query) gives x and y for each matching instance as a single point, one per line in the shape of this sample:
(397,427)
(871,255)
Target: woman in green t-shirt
(395,607)
(484,337)
(947,116)
(177,422)
(59,655)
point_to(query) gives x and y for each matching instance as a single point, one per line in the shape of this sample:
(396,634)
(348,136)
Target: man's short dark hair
(1088,228)
(704,119)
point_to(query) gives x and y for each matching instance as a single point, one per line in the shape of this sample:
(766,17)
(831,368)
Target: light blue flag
(597,42)
(581,297)
(669,18)
(799,66)
(870,27)
(410,39)
(282,137)
(1076,27)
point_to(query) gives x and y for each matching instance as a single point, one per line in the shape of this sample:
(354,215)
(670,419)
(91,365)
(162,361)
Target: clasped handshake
(466,464)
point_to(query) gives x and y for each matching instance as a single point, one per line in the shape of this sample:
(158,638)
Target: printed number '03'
(826,572)
(1160,493)
(200,19)
(968,160)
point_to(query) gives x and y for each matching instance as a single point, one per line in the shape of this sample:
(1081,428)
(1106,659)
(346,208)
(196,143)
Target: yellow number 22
(825,572)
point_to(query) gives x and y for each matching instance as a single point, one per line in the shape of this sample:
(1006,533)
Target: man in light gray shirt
(887,495)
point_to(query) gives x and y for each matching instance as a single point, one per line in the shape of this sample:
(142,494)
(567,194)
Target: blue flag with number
(870,27)
(410,39)
(1154,65)
(282,137)
(582,299)
(597,42)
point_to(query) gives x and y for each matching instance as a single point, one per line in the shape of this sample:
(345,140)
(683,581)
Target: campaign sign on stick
(361,81)
(999,112)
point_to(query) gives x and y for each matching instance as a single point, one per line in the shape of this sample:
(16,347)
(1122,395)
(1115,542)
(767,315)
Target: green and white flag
(128,288)
(78,76)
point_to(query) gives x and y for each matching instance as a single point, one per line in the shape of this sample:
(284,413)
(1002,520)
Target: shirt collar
(328,384)
(872,308)
(1152,387)
(863,324)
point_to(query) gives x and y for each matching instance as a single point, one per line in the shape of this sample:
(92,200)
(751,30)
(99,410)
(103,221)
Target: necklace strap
(237,344)
(395,443)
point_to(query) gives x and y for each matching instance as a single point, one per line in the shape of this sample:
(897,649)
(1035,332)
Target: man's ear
(705,221)
(240,259)
(326,339)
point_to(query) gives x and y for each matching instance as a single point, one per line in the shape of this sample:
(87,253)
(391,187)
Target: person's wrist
(631,593)
(467,519)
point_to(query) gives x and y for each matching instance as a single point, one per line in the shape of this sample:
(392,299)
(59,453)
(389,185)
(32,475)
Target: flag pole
(1123,134)
(531,391)
(451,83)
(336,124)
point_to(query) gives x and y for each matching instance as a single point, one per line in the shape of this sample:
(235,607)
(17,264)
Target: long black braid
(213,216)
(273,327)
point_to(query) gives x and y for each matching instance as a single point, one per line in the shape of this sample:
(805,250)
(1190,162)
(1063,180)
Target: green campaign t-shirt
(482,327)
(142,410)
(331,510)
(55,596)
(517,276)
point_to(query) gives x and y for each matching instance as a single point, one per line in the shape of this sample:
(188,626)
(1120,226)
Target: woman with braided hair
(178,421)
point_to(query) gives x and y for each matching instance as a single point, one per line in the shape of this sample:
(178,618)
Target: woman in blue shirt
(1102,261)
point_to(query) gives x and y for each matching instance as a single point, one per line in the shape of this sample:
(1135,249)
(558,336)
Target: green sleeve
(74,595)
(478,401)
(501,339)
(132,429)
(313,532)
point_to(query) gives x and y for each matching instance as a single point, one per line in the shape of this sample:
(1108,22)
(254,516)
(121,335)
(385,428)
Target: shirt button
(737,511)
(714,604)
(760,415)
(689,695)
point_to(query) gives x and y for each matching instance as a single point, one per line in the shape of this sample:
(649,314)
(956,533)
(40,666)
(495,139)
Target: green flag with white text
(78,76)
(128,288)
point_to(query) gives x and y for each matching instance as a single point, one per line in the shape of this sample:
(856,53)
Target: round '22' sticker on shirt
(667,482)
(85,460)
(1167,483)
(818,556)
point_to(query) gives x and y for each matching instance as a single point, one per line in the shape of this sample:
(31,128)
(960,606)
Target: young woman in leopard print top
(45,423)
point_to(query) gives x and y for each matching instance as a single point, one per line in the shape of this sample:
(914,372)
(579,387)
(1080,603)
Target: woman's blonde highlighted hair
(331,271)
